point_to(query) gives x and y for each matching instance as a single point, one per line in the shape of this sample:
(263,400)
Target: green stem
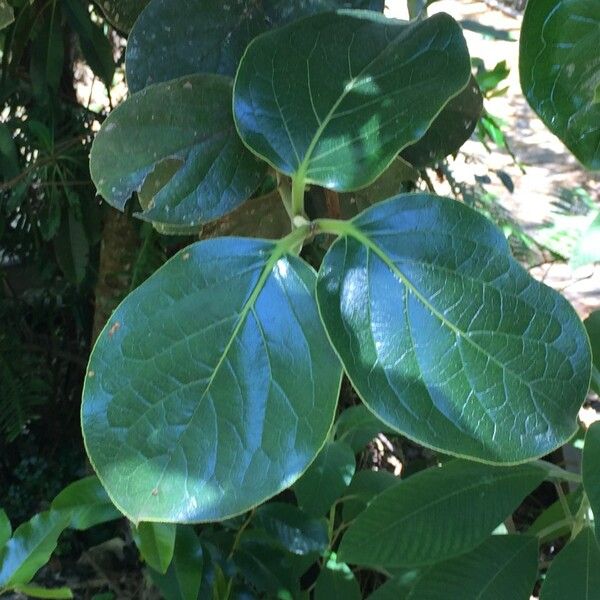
(555,472)
(240,531)
(552,528)
(298,196)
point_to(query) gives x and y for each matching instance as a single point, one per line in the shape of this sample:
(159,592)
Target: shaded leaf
(184,576)
(504,567)
(7,15)
(446,337)
(156,542)
(357,426)
(437,514)
(553,515)
(295,530)
(72,248)
(398,587)
(5,528)
(87,503)
(575,572)
(590,471)
(560,72)
(173,39)
(122,13)
(35,591)
(592,325)
(450,129)
(326,478)
(336,580)
(187,121)
(365,486)
(191,411)
(330,99)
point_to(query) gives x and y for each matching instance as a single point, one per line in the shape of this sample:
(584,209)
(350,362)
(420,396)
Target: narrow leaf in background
(590,471)
(437,514)
(575,572)
(504,567)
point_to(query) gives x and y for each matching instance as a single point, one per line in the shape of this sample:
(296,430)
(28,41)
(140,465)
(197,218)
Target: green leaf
(446,337)
(398,587)
(7,15)
(72,248)
(5,528)
(587,248)
(590,471)
(357,426)
(388,184)
(95,46)
(437,514)
(87,503)
(551,518)
(212,386)
(187,120)
(592,326)
(331,99)
(35,591)
(504,567)
(269,568)
(559,74)
(261,217)
(575,572)
(184,576)
(47,54)
(30,547)
(173,39)
(156,542)
(295,530)
(365,486)
(450,129)
(122,13)
(326,478)
(336,580)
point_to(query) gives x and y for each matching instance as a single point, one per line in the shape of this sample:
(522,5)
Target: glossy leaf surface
(504,567)
(294,529)
(447,338)
(172,39)
(437,514)
(590,471)
(326,478)
(30,547)
(192,410)
(559,66)
(575,572)
(331,99)
(87,503)
(186,121)
(156,542)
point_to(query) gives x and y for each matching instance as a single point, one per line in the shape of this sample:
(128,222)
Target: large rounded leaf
(447,338)
(184,131)
(559,65)
(332,98)
(437,514)
(213,386)
(504,567)
(172,39)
